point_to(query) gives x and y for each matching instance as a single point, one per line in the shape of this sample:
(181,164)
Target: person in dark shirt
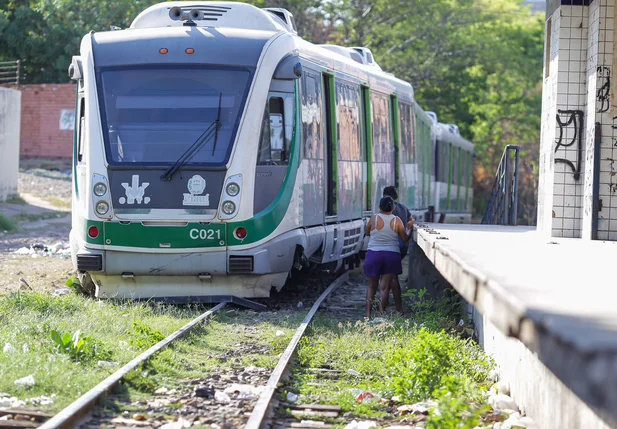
(403,213)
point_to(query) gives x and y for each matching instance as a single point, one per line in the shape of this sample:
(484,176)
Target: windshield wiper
(212,130)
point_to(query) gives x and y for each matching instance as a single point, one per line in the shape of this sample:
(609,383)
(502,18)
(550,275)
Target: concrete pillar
(10,114)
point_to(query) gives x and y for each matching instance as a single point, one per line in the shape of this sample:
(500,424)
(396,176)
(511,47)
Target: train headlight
(233,189)
(102,207)
(100,189)
(228,207)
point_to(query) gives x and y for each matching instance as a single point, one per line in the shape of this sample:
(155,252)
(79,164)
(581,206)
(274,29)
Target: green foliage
(412,359)
(142,336)
(430,359)
(6,224)
(79,347)
(459,406)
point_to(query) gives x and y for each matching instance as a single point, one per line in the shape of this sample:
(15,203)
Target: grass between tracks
(410,360)
(69,343)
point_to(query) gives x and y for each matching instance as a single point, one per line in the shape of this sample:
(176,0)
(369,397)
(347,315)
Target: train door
(330,214)
(313,137)
(367,131)
(396,140)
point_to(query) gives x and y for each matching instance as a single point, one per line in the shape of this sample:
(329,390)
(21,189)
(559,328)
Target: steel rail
(257,419)
(69,417)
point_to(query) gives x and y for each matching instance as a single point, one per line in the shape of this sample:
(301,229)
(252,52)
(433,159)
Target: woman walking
(383,258)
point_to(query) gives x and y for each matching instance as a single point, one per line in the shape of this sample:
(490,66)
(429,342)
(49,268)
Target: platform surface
(558,296)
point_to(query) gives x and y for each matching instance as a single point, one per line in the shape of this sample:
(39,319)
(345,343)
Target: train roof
(450,133)
(256,23)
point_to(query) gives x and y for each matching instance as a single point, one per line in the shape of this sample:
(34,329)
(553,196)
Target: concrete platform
(557,297)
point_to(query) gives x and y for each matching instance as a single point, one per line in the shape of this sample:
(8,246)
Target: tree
(477,64)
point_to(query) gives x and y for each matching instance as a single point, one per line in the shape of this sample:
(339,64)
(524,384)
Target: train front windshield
(152,116)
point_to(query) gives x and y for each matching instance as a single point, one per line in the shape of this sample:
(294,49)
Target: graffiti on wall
(574,120)
(67,119)
(604,88)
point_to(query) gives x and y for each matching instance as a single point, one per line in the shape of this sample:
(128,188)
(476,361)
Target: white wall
(10,122)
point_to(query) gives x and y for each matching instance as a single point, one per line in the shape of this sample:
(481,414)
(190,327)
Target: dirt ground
(42,219)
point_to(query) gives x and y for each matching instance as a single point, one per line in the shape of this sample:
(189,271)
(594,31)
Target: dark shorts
(379,263)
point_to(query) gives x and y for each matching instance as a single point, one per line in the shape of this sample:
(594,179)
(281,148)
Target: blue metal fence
(503,201)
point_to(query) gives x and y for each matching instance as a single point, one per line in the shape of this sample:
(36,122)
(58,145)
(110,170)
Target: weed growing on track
(231,340)
(70,368)
(415,359)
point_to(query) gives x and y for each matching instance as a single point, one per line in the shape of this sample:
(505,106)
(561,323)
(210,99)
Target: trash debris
(361,425)
(8,348)
(38,249)
(300,305)
(280,333)
(222,397)
(364,396)
(25,348)
(291,397)
(107,363)
(419,408)
(139,417)
(502,402)
(61,292)
(204,391)
(353,372)
(42,400)
(243,391)
(26,381)
(161,391)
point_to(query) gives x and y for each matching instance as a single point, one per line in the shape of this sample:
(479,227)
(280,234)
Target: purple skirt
(379,263)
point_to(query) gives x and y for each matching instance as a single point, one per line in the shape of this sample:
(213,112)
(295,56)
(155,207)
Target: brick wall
(47,114)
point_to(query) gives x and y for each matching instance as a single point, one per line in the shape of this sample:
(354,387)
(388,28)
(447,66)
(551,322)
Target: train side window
(81,130)
(276,131)
(348,122)
(407,139)
(312,129)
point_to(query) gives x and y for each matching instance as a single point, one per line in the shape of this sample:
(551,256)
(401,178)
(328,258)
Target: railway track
(239,397)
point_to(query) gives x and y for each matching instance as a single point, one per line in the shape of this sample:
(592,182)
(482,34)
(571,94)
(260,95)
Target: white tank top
(385,239)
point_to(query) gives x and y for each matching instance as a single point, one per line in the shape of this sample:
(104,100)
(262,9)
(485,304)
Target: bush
(422,366)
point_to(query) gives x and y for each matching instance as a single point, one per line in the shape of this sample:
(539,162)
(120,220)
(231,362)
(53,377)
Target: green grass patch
(60,203)
(64,342)
(413,359)
(7,224)
(229,340)
(16,199)
(30,217)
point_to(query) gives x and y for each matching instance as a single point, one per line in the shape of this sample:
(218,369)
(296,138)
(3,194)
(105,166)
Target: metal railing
(503,201)
(10,72)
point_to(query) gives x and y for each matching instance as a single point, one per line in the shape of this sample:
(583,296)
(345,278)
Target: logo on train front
(134,192)
(196,186)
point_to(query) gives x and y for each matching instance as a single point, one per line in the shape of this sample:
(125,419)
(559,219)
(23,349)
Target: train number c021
(205,234)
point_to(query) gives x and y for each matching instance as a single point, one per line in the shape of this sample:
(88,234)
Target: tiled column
(560,203)
(606,118)
(568,145)
(549,110)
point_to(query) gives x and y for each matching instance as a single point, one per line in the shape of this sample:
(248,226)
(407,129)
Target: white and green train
(215,150)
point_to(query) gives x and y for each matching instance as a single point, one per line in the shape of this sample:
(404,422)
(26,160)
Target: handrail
(503,201)
(10,72)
